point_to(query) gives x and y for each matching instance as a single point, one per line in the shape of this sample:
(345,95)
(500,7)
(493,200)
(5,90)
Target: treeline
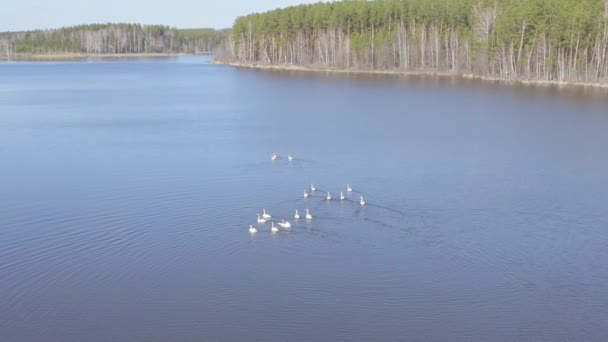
(545,40)
(111,39)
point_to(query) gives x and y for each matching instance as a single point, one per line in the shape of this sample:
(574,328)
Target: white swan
(312,188)
(273,228)
(348,188)
(285,224)
(342,198)
(274,156)
(362,202)
(265,214)
(306,194)
(297,215)
(289,157)
(261,220)
(308,215)
(328,197)
(252,229)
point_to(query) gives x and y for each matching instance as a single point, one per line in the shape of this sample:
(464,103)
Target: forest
(111,39)
(541,40)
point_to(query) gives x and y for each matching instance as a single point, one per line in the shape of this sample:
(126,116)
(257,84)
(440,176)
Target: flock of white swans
(265,217)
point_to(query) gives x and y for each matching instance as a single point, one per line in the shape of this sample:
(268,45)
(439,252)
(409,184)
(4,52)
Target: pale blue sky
(18,15)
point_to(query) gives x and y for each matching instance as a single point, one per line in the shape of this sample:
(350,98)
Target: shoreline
(82,56)
(299,68)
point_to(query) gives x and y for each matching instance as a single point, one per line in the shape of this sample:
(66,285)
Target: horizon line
(114,23)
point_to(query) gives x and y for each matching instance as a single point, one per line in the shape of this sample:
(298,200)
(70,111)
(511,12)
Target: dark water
(127,188)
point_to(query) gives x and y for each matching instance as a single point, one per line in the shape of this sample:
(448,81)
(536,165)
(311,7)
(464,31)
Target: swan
(312,188)
(285,224)
(252,229)
(274,156)
(273,228)
(265,214)
(328,197)
(297,215)
(362,202)
(348,188)
(342,198)
(289,157)
(261,220)
(306,194)
(308,215)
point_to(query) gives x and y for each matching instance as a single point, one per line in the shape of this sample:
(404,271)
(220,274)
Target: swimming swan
(297,215)
(285,224)
(274,156)
(348,188)
(252,229)
(308,215)
(261,220)
(265,214)
(312,188)
(289,157)
(273,228)
(362,202)
(342,198)
(306,194)
(328,197)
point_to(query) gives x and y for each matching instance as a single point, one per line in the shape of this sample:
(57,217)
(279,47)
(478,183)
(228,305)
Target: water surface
(128,187)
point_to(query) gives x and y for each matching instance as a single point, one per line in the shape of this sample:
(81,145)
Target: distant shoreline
(411,73)
(81,56)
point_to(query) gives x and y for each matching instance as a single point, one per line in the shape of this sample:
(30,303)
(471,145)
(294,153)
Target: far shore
(76,56)
(290,67)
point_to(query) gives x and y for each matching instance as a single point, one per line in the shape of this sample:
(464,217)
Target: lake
(128,187)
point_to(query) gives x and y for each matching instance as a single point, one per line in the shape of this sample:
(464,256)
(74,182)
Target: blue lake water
(127,188)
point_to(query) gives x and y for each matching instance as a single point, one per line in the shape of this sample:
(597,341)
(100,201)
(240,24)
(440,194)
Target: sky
(22,15)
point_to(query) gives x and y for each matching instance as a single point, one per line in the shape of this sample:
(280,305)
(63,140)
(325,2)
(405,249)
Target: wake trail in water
(307,228)
(385,208)
(379,222)
(348,200)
